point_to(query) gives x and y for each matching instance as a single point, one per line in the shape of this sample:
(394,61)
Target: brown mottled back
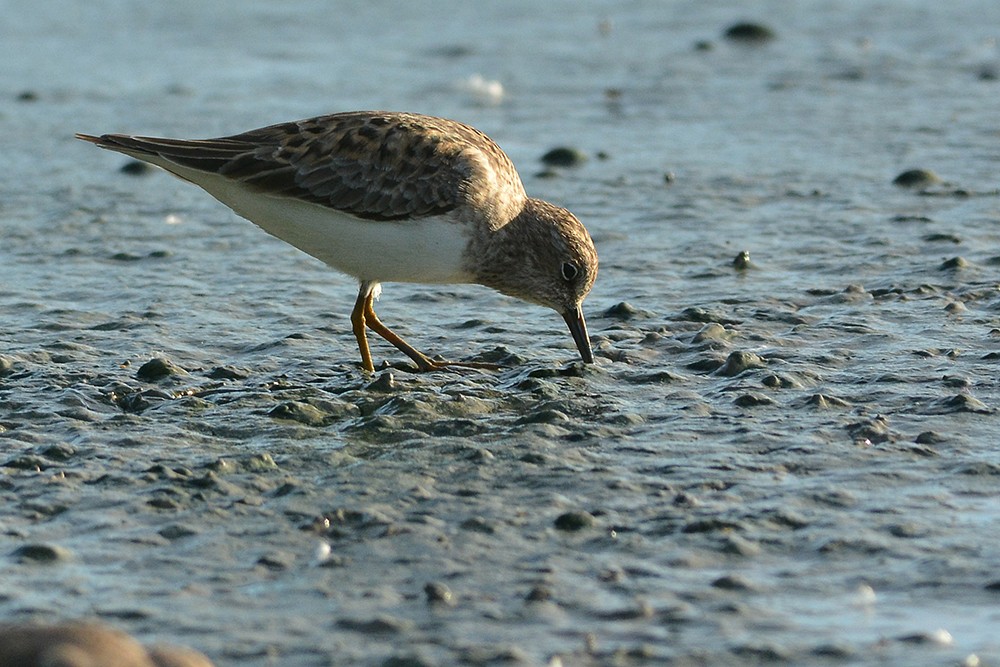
(373,165)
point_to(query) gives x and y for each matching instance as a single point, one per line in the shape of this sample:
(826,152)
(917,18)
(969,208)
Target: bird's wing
(372,165)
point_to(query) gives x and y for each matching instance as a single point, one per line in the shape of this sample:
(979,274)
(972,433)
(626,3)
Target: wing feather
(373,165)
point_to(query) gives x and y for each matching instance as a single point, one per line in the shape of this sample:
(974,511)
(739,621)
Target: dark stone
(742,261)
(929,438)
(733,582)
(41,553)
(954,264)
(380,625)
(278,560)
(136,168)
(564,156)
(158,368)
(748,32)
(300,412)
(752,400)
(916,178)
(438,594)
(573,521)
(625,311)
(406,661)
(176,532)
(740,361)
(228,373)
(539,593)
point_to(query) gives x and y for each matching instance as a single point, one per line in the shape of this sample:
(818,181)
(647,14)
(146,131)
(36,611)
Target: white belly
(427,250)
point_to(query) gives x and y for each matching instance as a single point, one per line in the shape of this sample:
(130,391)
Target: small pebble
(625,311)
(873,430)
(752,400)
(438,594)
(685,499)
(939,637)
(545,417)
(742,261)
(228,373)
(42,553)
(712,332)
(300,412)
(483,91)
(734,544)
(126,257)
(539,593)
(763,654)
(834,651)
(277,560)
(177,531)
(27,462)
(136,168)
(916,178)
(960,403)
(942,238)
(406,661)
(386,382)
(697,314)
(740,361)
(748,32)
(564,156)
(734,582)
(825,401)
(158,368)
(222,466)
(907,530)
(573,521)
(478,525)
(781,382)
(929,438)
(380,625)
(864,595)
(322,552)
(954,264)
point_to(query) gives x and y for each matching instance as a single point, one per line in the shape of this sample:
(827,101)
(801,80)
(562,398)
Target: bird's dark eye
(569,270)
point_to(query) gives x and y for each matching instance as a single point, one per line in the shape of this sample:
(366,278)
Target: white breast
(425,250)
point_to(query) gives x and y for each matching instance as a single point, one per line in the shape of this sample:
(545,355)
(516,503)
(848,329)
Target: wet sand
(786,452)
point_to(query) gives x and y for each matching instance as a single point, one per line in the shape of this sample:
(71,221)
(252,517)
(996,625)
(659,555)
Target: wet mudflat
(786,452)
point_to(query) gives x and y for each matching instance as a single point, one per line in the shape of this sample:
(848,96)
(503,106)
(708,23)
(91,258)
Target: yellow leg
(364,315)
(358,324)
(423,362)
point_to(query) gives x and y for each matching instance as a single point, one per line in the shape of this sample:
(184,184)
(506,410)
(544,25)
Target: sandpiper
(392,197)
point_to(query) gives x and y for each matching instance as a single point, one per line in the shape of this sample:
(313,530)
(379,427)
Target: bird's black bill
(578,327)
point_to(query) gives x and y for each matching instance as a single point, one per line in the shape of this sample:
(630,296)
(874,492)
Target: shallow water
(793,462)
